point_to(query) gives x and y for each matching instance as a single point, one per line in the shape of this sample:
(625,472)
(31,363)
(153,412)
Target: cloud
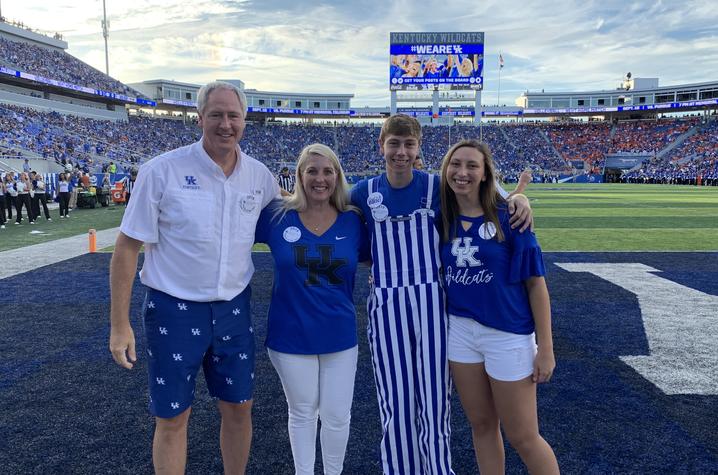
(342,46)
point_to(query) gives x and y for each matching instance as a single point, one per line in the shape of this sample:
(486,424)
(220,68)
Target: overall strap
(372,185)
(430,191)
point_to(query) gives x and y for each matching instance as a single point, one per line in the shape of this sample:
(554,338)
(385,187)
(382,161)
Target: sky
(342,47)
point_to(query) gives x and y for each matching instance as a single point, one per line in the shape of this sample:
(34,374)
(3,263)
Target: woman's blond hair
(298,199)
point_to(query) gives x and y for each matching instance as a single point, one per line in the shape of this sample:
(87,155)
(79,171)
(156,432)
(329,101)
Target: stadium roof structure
(168,93)
(646,99)
(28,36)
(180,96)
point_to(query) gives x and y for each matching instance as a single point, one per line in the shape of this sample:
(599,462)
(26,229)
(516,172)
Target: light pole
(105,33)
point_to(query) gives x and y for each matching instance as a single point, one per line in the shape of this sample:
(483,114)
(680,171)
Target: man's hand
(122,274)
(122,346)
(521,213)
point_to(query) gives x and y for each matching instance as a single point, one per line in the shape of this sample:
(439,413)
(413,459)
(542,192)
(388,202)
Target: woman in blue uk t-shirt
(499,309)
(317,239)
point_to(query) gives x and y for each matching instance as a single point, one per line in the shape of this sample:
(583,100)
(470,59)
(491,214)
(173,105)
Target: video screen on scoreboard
(436,60)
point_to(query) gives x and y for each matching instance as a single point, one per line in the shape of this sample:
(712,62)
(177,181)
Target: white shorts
(506,356)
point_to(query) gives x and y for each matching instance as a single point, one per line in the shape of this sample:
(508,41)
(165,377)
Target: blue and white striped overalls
(408,342)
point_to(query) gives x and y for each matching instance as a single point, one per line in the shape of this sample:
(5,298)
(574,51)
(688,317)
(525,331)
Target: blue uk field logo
(679,323)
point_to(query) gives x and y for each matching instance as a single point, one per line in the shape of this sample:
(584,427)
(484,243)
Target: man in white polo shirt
(195,210)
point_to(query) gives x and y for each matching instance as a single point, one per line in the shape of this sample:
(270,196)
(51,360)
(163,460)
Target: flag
(501,61)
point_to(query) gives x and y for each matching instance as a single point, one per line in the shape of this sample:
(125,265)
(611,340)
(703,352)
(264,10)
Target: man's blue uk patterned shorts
(182,335)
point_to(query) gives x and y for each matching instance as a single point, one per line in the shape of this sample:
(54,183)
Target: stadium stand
(546,149)
(695,161)
(587,142)
(57,65)
(647,136)
(536,148)
(359,150)
(88,132)
(701,146)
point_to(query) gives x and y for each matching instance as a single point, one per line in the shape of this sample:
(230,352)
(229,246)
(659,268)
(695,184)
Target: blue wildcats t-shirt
(312,307)
(484,278)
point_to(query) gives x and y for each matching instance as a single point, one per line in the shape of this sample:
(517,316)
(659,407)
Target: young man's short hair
(401,125)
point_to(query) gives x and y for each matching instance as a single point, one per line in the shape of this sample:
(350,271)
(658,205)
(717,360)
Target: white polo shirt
(196,223)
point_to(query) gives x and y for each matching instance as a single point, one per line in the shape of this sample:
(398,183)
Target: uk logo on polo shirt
(190,183)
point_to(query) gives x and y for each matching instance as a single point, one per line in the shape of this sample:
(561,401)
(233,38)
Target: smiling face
(319,178)
(413,69)
(466,67)
(222,122)
(465,172)
(400,152)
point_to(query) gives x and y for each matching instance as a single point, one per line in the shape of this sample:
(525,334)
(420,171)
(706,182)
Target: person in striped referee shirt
(286,181)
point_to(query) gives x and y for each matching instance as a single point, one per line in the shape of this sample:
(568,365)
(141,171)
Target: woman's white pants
(318,387)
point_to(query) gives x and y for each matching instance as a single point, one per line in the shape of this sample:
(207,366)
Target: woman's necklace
(313,227)
(317,223)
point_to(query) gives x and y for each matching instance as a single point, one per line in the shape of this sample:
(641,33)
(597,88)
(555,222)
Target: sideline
(26,259)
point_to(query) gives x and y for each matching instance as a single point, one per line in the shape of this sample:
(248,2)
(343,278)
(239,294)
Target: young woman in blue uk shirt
(498,308)
(317,239)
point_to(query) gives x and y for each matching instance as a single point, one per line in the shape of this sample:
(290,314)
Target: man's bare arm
(123,268)
(524,180)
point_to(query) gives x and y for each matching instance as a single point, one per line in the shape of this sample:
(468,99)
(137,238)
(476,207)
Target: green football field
(568,217)
(79,222)
(618,217)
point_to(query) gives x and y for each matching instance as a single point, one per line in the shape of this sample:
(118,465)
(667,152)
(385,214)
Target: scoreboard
(426,61)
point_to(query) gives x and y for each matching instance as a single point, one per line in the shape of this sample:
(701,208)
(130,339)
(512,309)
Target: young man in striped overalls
(406,307)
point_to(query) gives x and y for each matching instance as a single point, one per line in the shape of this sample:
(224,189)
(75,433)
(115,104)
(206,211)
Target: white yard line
(25,259)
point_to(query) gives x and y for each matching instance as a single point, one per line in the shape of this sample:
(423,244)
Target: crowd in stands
(703,146)
(657,171)
(89,145)
(7,152)
(57,65)
(647,136)
(578,141)
(358,148)
(695,160)
(535,148)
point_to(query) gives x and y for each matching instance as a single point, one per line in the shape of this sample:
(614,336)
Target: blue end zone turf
(67,408)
